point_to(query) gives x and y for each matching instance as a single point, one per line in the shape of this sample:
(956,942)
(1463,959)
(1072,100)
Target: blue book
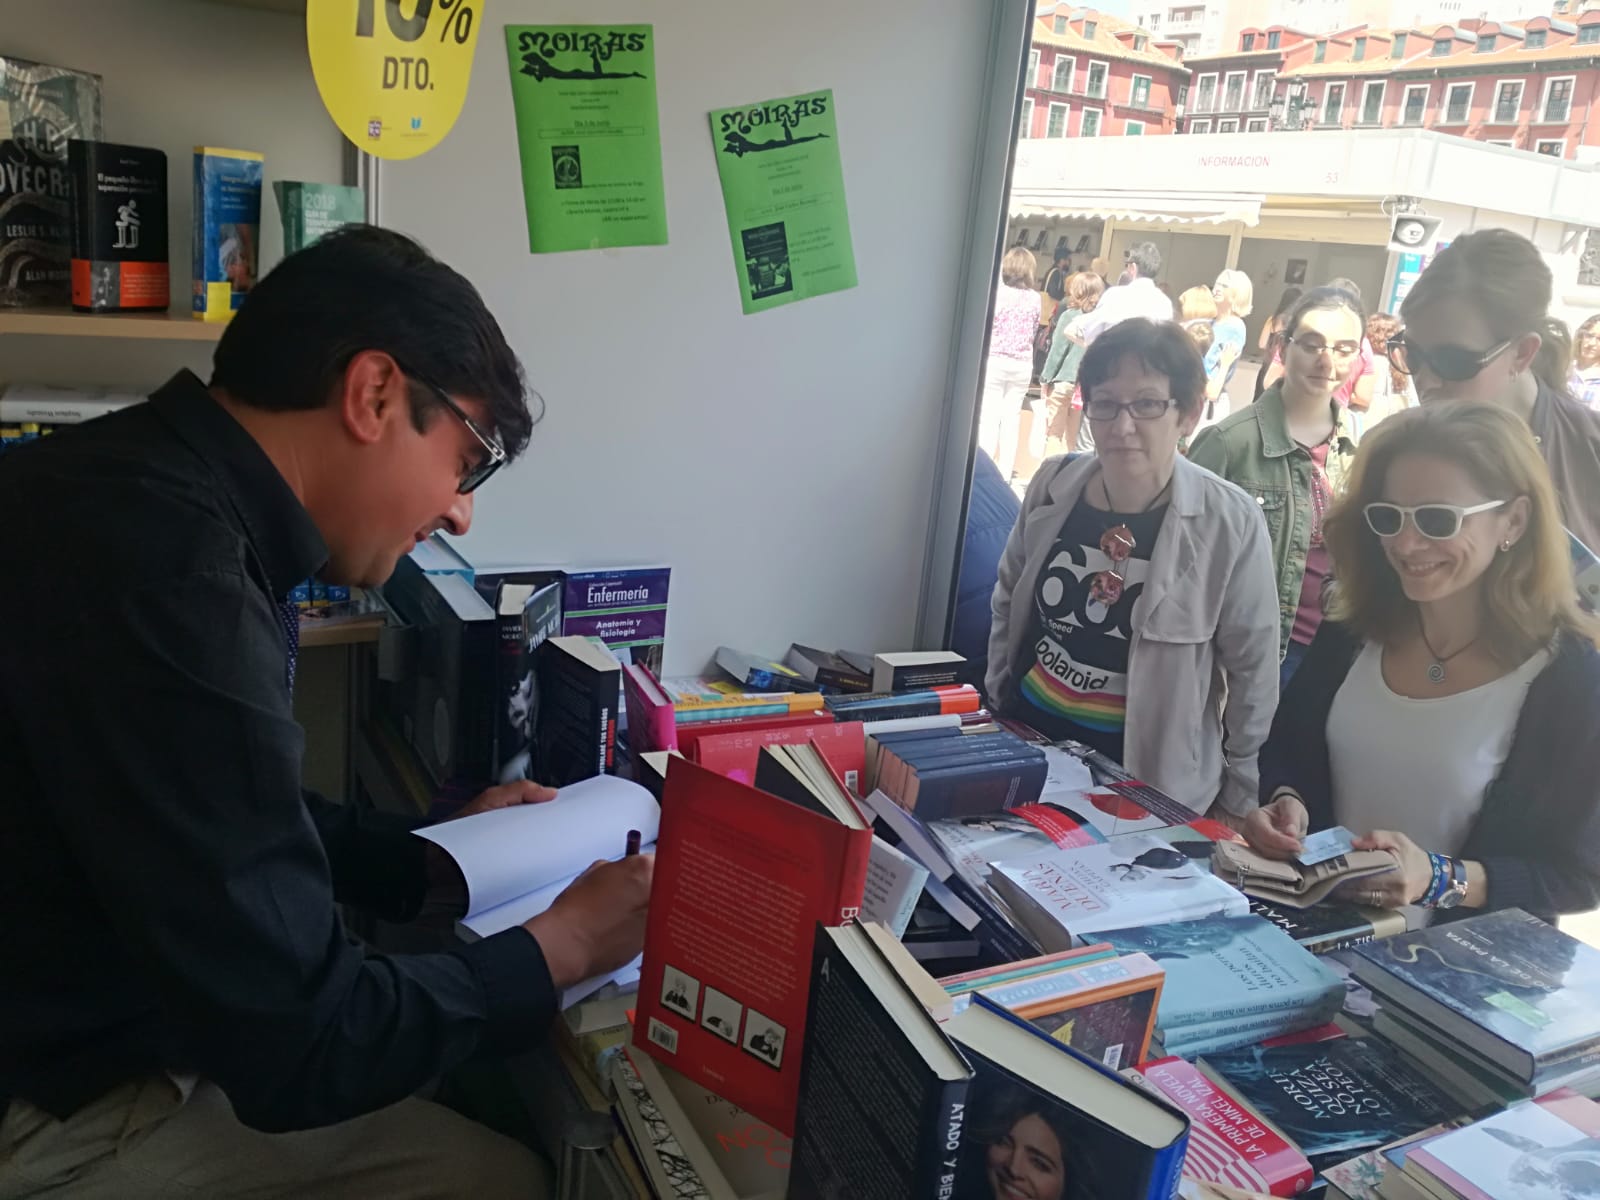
(1223,969)
(1043,1119)
(1517,992)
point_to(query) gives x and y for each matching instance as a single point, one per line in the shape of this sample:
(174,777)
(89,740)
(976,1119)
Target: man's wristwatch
(1456,891)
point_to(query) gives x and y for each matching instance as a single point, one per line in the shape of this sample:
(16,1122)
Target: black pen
(633,844)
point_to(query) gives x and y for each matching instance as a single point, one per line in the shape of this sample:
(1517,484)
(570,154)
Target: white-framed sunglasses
(1440,522)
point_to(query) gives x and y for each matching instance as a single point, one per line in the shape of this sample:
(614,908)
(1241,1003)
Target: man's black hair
(365,288)
(1147,257)
(1159,346)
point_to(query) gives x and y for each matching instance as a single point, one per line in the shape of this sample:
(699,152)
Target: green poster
(589,134)
(783,188)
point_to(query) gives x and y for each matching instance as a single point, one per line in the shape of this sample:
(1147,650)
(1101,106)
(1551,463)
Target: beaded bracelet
(1440,883)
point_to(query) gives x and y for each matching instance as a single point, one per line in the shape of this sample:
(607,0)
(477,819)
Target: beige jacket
(1203,663)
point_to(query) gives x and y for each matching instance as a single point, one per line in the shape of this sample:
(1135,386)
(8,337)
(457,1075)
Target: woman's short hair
(1324,299)
(1019,268)
(1160,346)
(1241,292)
(1084,290)
(1529,593)
(1196,304)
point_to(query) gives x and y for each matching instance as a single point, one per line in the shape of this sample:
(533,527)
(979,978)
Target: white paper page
(529,905)
(1065,772)
(509,852)
(894,882)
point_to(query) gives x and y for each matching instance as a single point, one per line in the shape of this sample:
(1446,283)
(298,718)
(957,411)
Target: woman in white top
(1446,710)
(1009,369)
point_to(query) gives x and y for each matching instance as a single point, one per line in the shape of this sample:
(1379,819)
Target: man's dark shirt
(167,888)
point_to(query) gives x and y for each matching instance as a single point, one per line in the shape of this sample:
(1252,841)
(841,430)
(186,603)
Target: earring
(1505,545)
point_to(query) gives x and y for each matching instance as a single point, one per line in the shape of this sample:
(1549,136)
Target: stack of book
(29,411)
(948,772)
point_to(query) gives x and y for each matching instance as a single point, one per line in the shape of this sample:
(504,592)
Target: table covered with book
(919,952)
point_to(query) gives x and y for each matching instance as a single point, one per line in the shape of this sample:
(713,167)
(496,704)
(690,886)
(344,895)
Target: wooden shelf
(63,322)
(350,633)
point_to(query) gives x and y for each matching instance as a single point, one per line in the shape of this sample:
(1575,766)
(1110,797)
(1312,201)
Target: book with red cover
(735,754)
(1227,1145)
(742,879)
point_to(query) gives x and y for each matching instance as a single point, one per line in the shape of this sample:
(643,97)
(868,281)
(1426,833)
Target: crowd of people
(1348,602)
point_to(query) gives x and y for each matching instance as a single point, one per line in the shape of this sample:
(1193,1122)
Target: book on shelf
(1233,974)
(742,877)
(119,227)
(757,674)
(918,670)
(826,669)
(1329,926)
(1227,1145)
(625,607)
(577,730)
(527,616)
(309,211)
(1331,1099)
(517,860)
(736,753)
(936,775)
(887,706)
(1548,1147)
(1094,889)
(1105,1010)
(226,256)
(45,405)
(1504,985)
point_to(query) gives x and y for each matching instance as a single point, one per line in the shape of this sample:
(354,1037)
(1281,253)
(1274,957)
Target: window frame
(1486,43)
(1516,109)
(1105,79)
(1383,96)
(1544,117)
(1559,143)
(1255,90)
(1327,92)
(1234,121)
(1033,68)
(1319,52)
(1059,25)
(1227,83)
(1090,28)
(1050,113)
(1256,125)
(1070,61)
(1358,51)
(1441,47)
(1247,43)
(1199,85)
(1133,128)
(1133,91)
(1588,35)
(1194,126)
(1397,45)
(1405,103)
(1274,40)
(1472,94)
(1099,121)
(1529,44)
(1025,125)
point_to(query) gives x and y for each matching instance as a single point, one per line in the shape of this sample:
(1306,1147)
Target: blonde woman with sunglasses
(1446,709)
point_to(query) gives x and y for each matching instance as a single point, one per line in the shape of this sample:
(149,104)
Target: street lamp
(1287,110)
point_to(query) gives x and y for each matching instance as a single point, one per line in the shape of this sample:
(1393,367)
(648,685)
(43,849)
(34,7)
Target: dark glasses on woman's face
(1437,521)
(1455,364)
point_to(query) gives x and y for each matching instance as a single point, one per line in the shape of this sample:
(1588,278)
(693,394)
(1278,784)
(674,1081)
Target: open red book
(742,879)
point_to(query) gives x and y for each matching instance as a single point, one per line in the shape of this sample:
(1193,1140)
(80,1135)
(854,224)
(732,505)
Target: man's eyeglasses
(1455,364)
(494,454)
(1145,408)
(1314,345)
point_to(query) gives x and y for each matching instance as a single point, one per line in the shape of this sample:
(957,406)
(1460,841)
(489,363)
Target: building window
(1441,47)
(1274,38)
(1199,126)
(1588,35)
(1133,129)
(1256,125)
(1205,95)
(1266,83)
(1397,48)
(1060,23)
(1485,43)
(1229,126)
(1320,53)
(1458,103)
(1508,102)
(1139,95)
(1055,125)
(1140,41)
(1372,102)
(1359,52)
(1333,104)
(1063,74)
(1553,147)
(1097,80)
(1247,42)
(1033,68)
(1557,106)
(1536,39)
(1089,123)
(1506,142)
(1416,104)
(1025,126)
(1089,29)
(1589,261)
(1233,92)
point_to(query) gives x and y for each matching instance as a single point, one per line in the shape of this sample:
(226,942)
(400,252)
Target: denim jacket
(1252,448)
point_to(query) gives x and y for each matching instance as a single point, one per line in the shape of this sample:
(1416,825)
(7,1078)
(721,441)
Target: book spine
(1566,1061)
(944,1126)
(695,715)
(847,681)
(1346,939)
(1166,1170)
(853,875)
(1225,1016)
(989,787)
(1192,1040)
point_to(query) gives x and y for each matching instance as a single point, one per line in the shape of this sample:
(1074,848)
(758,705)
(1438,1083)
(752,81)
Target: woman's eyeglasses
(1452,363)
(1145,408)
(1440,522)
(1314,345)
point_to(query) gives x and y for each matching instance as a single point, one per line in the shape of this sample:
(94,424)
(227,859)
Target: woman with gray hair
(1234,296)
(1009,368)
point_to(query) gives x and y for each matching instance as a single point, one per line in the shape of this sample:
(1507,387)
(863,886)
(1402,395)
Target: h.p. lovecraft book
(119,227)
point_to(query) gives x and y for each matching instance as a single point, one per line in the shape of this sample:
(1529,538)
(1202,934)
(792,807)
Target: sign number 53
(393,73)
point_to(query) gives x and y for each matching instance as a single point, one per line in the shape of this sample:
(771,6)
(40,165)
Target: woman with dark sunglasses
(1290,451)
(1446,709)
(1474,322)
(1134,609)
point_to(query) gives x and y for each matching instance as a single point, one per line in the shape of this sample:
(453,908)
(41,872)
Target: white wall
(175,74)
(780,463)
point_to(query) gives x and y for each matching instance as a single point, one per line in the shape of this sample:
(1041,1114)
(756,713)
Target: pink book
(652,724)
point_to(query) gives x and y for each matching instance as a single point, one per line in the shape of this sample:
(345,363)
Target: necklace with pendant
(1436,667)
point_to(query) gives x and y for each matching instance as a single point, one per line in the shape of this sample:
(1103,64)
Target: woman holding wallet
(1446,710)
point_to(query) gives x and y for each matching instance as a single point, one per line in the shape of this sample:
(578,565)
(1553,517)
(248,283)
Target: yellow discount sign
(393,73)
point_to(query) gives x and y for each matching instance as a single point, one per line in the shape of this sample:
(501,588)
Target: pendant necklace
(1436,667)
(1118,544)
